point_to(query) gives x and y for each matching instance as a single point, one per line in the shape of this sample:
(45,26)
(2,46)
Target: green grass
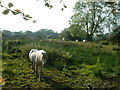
(70,65)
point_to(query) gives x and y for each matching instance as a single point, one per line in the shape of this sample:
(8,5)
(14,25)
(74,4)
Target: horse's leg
(33,66)
(36,69)
(40,72)
(41,69)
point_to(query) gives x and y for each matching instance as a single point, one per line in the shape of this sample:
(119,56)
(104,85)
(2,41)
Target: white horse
(63,38)
(84,40)
(38,58)
(76,40)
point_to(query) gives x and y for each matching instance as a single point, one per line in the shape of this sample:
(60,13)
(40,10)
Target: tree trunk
(89,37)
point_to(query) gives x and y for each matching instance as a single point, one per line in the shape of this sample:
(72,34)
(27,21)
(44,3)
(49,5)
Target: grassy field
(70,65)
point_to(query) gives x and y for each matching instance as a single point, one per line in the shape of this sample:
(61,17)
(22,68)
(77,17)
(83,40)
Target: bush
(103,42)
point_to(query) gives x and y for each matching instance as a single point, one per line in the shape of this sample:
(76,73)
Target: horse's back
(38,56)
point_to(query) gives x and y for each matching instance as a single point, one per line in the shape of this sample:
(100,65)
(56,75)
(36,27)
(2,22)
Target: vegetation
(70,65)
(115,35)
(92,18)
(40,34)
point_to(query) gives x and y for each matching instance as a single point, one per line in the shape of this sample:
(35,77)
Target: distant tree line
(39,35)
(73,33)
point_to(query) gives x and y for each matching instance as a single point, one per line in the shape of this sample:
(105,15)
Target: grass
(70,65)
(0,64)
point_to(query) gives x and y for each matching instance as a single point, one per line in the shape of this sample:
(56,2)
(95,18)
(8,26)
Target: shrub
(103,42)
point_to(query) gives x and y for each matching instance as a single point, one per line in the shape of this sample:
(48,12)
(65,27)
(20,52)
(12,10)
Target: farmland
(70,65)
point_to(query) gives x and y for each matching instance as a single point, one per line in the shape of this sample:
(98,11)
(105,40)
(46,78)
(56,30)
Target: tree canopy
(115,36)
(94,17)
(39,35)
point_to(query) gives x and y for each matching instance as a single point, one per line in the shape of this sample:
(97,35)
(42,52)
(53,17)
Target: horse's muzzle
(43,64)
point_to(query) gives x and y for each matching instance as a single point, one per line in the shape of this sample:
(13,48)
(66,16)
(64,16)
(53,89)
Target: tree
(115,36)
(29,34)
(101,37)
(40,34)
(92,17)
(6,34)
(66,34)
(76,32)
(18,35)
(73,33)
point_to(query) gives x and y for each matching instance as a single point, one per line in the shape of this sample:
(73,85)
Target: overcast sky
(54,18)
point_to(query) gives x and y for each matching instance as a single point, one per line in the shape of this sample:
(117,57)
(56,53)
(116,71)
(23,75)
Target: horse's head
(44,58)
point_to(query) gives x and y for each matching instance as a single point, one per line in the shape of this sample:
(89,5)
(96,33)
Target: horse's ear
(31,50)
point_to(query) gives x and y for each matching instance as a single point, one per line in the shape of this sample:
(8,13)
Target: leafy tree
(76,32)
(18,35)
(92,17)
(115,36)
(29,34)
(73,33)
(6,34)
(116,30)
(66,34)
(45,34)
(101,37)
(53,35)
(40,34)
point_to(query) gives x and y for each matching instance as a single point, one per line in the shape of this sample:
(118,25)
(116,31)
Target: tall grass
(68,53)
(71,63)
(64,53)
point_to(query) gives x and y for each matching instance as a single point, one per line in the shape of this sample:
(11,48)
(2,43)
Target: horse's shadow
(54,84)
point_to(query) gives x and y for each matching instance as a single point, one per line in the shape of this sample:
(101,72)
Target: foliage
(77,33)
(101,37)
(92,18)
(103,42)
(47,3)
(115,36)
(73,33)
(66,34)
(40,34)
(15,12)
(115,7)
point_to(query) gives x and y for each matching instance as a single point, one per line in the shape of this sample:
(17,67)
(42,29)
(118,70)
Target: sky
(54,18)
